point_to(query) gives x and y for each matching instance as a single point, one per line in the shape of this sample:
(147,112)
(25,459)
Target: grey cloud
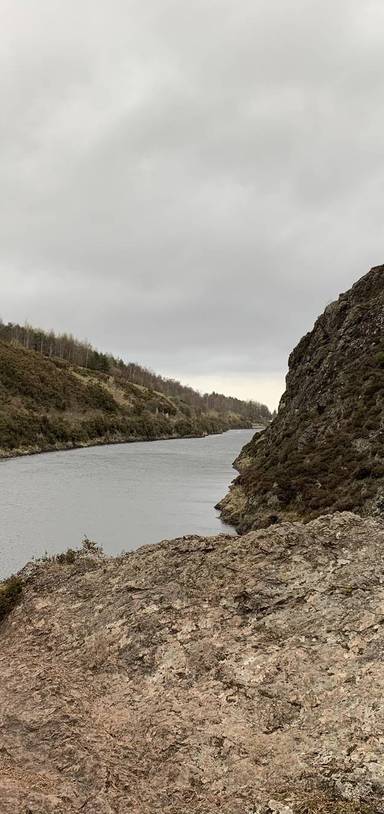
(189,184)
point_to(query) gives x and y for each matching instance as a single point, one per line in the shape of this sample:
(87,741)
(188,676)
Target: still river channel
(123,496)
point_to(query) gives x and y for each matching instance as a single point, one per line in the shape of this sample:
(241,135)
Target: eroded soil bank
(223,674)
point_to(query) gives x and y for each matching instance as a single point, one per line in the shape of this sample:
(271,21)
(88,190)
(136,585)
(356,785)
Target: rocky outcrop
(240,675)
(324,450)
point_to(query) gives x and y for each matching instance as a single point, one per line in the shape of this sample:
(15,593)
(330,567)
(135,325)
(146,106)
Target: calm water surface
(122,495)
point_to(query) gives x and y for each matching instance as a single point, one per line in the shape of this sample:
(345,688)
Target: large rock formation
(324,450)
(240,675)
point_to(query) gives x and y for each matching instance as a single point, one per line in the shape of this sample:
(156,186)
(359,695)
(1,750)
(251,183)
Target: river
(122,495)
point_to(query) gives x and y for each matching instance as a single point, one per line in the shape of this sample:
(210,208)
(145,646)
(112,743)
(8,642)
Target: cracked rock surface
(241,675)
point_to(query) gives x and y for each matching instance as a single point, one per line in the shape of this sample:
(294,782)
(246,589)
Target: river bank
(107,441)
(95,442)
(50,404)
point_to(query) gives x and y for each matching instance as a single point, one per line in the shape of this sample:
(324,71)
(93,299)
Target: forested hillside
(56,392)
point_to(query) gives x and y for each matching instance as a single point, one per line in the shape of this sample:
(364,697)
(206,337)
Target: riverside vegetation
(57,393)
(230,674)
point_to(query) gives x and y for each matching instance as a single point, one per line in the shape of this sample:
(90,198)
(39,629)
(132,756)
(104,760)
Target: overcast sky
(188,183)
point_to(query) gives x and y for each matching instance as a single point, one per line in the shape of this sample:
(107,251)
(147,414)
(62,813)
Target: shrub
(67,557)
(89,545)
(10,592)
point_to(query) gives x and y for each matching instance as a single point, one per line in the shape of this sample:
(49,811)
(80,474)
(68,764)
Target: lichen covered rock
(228,674)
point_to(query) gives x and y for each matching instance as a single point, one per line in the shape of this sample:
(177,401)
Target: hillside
(83,355)
(228,675)
(50,402)
(324,452)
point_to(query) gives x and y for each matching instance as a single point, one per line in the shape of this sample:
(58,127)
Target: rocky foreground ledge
(241,675)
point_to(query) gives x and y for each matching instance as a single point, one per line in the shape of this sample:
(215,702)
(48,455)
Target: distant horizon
(272,391)
(266,389)
(238,389)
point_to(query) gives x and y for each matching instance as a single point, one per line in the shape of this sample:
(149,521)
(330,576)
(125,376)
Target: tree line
(83,354)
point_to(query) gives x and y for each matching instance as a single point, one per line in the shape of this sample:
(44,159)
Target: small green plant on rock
(66,557)
(89,545)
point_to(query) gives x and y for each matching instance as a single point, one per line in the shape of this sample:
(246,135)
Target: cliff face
(240,675)
(324,450)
